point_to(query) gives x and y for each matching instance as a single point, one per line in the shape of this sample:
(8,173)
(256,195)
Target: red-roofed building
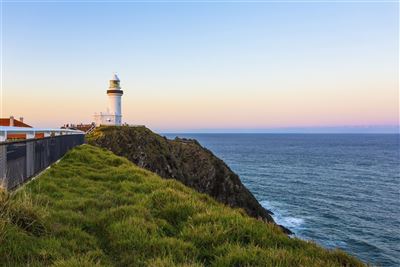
(17,123)
(13,122)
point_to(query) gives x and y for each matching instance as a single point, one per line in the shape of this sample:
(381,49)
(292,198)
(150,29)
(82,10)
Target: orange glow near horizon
(241,108)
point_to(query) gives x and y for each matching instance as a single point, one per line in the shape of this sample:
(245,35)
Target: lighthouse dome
(115,77)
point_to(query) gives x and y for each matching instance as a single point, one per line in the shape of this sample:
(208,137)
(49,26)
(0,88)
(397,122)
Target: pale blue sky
(188,66)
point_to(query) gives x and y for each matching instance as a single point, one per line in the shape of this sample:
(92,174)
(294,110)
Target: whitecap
(281,216)
(292,221)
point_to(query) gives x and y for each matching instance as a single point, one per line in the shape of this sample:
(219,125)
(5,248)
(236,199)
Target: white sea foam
(282,217)
(292,221)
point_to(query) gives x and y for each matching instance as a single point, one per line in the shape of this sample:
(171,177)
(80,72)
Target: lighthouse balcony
(120,92)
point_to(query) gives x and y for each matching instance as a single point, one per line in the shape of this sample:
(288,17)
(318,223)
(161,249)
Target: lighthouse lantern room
(113,116)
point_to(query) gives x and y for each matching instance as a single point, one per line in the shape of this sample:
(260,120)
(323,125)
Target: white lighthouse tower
(114,94)
(113,116)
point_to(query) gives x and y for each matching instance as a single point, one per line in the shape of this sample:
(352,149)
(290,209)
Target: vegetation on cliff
(181,159)
(96,209)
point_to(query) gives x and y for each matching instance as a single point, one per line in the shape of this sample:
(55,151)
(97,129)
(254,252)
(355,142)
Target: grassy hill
(181,159)
(96,209)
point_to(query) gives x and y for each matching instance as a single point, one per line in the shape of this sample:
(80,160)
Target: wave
(281,217)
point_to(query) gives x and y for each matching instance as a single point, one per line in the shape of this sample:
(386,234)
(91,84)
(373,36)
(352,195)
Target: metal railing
(21,160)
(30,133)
(91,129)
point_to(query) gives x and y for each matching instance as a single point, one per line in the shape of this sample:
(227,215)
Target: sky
(204,66)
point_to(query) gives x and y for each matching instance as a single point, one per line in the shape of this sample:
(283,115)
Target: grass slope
(182,159)
(96,209)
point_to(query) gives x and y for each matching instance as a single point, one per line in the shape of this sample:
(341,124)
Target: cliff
(94,208)
(182,159)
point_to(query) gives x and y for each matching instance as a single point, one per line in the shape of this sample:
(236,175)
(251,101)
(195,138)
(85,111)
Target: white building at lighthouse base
(104,118)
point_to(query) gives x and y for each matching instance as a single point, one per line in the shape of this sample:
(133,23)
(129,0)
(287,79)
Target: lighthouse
(114,94)
(113,116)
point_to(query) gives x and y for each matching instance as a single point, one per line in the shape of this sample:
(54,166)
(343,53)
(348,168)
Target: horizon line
(382,129)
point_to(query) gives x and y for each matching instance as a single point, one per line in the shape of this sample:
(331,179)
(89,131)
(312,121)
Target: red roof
(17,123)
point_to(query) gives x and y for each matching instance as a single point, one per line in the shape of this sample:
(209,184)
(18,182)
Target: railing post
(30,135)
(3,164)
(30,159)
(3,136)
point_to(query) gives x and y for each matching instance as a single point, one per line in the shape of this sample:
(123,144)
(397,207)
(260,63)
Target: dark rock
(285,230)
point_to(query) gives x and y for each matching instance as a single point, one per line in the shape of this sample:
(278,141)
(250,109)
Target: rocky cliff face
(181,159)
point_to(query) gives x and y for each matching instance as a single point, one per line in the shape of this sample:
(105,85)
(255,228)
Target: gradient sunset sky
(205,66)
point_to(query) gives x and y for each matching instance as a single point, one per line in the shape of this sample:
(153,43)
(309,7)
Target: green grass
(96,209)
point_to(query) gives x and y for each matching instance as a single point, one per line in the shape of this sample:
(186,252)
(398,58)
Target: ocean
(339,190)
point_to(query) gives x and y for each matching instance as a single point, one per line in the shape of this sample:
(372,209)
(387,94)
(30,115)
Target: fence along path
(21,160)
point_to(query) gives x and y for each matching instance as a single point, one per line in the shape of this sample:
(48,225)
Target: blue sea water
(340,190)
